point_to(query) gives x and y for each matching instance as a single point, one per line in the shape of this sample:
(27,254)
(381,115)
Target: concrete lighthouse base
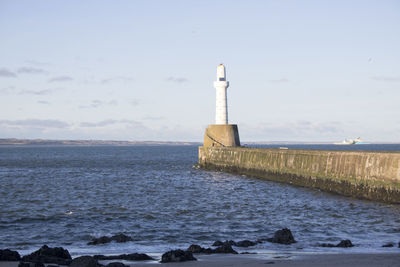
(225,135)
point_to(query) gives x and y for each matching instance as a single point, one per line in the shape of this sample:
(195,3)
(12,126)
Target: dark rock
(399,244)
(120,238)
(227,242)
(217,243)
(246,252)
(230,243)
(245,243)
(30,264)
(225,248)
(327,245)
(345,244)
(208,251)
(196,249)
(9,255)
(283,236)
(342,244)
(100,240)
(388,245)
(128,257)
(84,261)
(116,264)
(177,256)
(136,257)
(46,254)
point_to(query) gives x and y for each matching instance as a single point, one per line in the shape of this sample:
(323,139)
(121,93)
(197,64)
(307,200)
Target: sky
(143,70)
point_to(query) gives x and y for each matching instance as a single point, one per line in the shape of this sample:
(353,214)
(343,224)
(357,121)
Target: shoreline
(295,260)
(219,254)
(291,260)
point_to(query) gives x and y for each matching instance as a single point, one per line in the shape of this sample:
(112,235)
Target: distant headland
(49,142)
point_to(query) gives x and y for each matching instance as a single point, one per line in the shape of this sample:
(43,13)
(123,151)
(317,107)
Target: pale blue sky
(144,70)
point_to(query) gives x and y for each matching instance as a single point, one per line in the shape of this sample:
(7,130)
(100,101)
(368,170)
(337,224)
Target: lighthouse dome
(221,73)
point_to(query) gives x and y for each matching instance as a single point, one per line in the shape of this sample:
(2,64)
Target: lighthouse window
(222,79)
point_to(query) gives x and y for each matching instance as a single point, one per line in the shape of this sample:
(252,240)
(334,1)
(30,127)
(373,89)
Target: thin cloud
(40,92)
(30,70)
(12,90)
(153,118)
(117,79)
(134,102)
(294,130)
(98,124)
(7,90)
(98,103)
(36,63)
(176,79)
(108,122)
(282,80)
(6,73)
(386,78)
(43,102)
(61,79)
(35,123)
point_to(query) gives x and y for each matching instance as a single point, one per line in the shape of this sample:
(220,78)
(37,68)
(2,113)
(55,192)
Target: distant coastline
(50,142)
(55,142)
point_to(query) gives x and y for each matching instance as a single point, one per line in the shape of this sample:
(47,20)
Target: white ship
(356,141)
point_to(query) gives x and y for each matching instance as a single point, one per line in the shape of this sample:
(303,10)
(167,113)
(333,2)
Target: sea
(66,195)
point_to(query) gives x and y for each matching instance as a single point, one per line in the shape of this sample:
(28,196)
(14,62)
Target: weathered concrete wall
(221,135)
(368,175)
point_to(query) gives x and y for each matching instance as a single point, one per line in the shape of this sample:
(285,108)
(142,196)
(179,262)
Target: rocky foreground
(59,256)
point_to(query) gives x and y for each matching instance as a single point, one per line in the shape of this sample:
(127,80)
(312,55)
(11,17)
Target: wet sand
(326,260)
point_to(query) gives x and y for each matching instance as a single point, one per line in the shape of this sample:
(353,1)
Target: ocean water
(64,196)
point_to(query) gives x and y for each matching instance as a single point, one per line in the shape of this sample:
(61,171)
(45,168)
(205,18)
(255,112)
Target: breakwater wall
(361,174)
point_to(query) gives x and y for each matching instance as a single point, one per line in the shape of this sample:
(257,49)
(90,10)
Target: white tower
(221,112)
(221,134)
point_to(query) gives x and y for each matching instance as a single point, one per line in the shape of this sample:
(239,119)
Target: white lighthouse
(221,133)
(221,107)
